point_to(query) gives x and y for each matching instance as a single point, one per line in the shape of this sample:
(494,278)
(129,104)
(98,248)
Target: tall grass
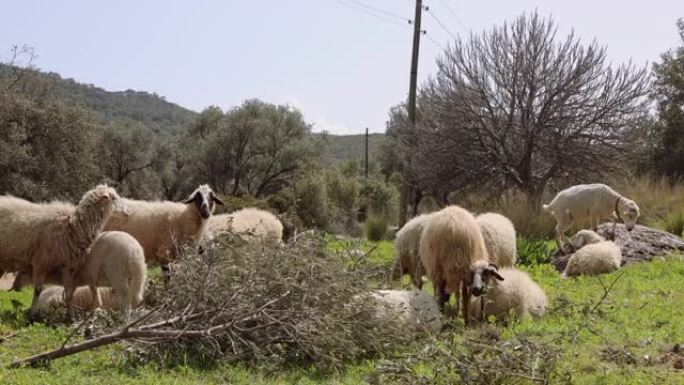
(659,202)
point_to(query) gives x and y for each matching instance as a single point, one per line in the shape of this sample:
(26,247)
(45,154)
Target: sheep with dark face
(455,256)
(591,202)
(162,227)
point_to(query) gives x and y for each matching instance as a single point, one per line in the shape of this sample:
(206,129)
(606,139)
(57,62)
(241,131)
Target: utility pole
(413,82)
(366,159)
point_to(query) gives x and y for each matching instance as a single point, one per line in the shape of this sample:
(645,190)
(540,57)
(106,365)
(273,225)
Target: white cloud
(321,124)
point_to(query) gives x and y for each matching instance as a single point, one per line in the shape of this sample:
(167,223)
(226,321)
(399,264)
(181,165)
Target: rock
(641,244)
(416,309)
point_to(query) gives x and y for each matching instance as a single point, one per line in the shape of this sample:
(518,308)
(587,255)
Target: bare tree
(517,107)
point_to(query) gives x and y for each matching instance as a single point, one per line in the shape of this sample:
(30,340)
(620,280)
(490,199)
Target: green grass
(642,316)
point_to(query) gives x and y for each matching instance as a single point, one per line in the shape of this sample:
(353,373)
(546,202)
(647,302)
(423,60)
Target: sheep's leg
(166,272)
(97,300)
(614,235)
(38,282)
(69,288)
(559,235)
(418,277)
(123,297)
(465,298)
(440,294)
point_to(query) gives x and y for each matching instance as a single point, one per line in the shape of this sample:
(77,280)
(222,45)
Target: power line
(440,23)
(433,40)
(376,9)
(384,15)
(452,12)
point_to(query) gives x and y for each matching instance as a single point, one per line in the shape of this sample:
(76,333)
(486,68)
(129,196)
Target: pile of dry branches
(288,305)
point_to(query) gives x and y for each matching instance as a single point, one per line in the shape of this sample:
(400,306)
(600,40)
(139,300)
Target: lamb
(416,310)
(455,257)
(517,292)
(499,236)
(53,296)
(593,202)
(116,259)
(249,222)
(585,237)
(407,245)
(595,258)
(161,227)
(53,238)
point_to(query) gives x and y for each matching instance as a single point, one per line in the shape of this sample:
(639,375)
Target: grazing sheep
(591,202)
(417,310)
(585,237)
(116,259)
(53,296)
(455,257)
(499,236)
(249,222)
(161,227)
(517,292)
(407,246)
(595,258)
(52,238)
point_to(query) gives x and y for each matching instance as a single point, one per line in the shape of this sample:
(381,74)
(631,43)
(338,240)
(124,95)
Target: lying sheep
(499,236)
(161,227)
(585,237)
(455,257)
(248,222)
(595,258)
(416,310)
(407,246)
(52,238)
(517,293)
(116,259)
(591,202)
(53,296)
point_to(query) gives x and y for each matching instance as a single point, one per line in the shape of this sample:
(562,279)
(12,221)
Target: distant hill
(162,116)
(113,106)
(340,148)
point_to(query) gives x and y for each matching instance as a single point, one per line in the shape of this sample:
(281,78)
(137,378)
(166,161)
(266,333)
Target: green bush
(674,223)
(311,204)
(380,198)
(232,203)
(376,227)
(533,251)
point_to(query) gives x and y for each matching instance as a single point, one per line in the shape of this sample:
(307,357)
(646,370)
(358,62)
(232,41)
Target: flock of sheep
(98,251)
(473,257)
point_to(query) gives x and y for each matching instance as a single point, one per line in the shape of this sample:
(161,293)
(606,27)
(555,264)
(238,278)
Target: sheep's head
(629,211)
(205,200)
(585,237)
(106,197)
(481,274)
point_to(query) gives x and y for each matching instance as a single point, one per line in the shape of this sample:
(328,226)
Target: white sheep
(455,257)
(53,296)
(591,202)
(248,222)
(585,237)
(517,293)
(417,310)
(499,236)
(407,246)
(116,259)
(161,227)
(595,258)
(52,238)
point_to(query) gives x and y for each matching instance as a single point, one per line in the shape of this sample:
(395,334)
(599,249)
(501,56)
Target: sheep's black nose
(477,291)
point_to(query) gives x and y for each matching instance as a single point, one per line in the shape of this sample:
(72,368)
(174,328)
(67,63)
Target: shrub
(674,223)
(233,203)
(376,227)
(379,198)
(533,251)
(311,204)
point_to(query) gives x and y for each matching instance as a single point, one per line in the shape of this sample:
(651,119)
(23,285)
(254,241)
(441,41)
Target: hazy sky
(343,68)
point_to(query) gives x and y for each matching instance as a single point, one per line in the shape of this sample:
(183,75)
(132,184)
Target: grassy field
(591,335)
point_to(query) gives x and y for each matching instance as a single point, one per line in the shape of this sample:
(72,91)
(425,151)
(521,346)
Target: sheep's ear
(494,266)
(496,275)
(218,201)
(191,198)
